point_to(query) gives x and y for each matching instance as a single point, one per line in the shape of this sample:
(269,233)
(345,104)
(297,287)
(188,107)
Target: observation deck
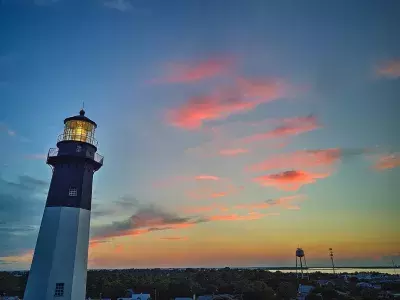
(55,155)
(76,137)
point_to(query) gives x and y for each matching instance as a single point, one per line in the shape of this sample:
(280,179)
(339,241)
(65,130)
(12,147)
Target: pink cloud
(388,161)
(233,152)
(290,127)
(223,103)
(390,69)
(299,159)
(186,73)
(207,177)
(290,180)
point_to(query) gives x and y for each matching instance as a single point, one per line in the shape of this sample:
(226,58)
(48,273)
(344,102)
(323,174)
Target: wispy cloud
(306,159)
(146,219)
(233,152)
(248,217)
(127,202)
(206,193)
(389,69)
(388,161)
(290,180)
(7,130)
(245,96)
(121,5)
(288,202)
(24,258)
(207,177)
(36,156)
(290,127)
(207,208)
(95,243)
(21,208)
(192,72)
(12,133)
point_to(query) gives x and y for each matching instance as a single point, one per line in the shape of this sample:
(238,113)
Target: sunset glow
(232,131)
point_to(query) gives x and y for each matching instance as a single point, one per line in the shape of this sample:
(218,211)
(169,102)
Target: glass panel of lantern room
(79,131)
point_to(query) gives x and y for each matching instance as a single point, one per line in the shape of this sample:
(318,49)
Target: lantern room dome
(80,117)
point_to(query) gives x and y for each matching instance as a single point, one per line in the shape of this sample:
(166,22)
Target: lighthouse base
(59,265)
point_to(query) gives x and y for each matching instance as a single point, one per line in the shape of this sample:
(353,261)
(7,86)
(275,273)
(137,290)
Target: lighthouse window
(59,292)
(73,192)
(78,148)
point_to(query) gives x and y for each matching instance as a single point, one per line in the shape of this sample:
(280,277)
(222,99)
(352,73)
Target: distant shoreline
(243,268)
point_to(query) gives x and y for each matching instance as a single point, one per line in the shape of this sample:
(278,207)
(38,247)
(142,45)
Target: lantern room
(80,129)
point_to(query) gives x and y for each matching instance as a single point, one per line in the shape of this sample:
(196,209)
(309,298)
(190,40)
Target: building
(303,291)
(59,265)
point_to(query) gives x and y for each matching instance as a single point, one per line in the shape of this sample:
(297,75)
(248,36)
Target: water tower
(301,263)
(59,265)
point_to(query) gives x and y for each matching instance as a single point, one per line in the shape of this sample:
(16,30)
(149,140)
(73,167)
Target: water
(343,270)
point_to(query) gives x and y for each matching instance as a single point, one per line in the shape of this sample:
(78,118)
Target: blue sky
(173,85)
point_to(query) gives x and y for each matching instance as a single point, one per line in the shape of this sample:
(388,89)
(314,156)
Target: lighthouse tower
(59,263)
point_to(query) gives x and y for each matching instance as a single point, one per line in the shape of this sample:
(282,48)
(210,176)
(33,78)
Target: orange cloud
(218,195)
(233,152)
(292,126)
(174,238)
(390,69)
(290,180)
(388,161)
(207,177)
(25,257)
(222,103)
(95,243)
(299,159)
(185,73)
(208,192)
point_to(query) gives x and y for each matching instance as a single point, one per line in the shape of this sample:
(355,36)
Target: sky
(233,131)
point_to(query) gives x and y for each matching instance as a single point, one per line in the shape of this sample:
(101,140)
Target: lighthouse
(59,265)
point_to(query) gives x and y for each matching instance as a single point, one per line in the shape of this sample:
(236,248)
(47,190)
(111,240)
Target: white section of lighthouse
(59,265)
